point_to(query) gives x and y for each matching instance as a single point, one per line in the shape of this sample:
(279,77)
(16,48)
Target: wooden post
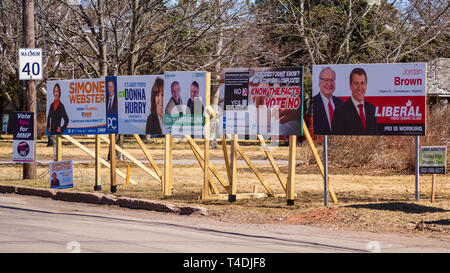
(205,191)
(272,162)
(290,194)
(128,175)
(171,165)
(92,154)
(148,155)
(58,148)
(254,169)
(135,161)
(433,181)
(197,152)
(112,156)
(98,165)
(197,155)
(167,165)
(233,166)
(225,156)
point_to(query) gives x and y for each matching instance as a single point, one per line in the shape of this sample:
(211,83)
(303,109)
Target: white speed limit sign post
(30,64)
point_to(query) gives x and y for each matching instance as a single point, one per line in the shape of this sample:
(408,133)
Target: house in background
(438,80)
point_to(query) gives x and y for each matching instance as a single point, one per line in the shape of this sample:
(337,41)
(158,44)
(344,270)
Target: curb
(105,199)
(35,192)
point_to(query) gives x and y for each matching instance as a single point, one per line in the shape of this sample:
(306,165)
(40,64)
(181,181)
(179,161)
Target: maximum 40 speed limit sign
(30,64)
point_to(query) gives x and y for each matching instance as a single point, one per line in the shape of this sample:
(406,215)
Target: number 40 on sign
(30,64)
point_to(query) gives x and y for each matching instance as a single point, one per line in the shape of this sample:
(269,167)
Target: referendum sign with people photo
(76,107)
(263,100)
(369,99)
(184,103)
(134,104)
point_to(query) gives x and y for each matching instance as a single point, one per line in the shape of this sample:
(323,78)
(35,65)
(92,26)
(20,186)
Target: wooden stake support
(290,193)
(128,175)
(433,180)
(58,148)
(206,180)
(254,169)
(92,154)
(98,165)
(233,167)
(167,181)
(225,156)
(134,160)
(273,163)
(149,156)
(197,152)
(199,157)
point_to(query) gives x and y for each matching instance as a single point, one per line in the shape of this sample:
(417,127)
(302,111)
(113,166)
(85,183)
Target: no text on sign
(30,64)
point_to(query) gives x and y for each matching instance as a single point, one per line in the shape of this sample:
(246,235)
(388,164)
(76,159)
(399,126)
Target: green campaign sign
(433,159)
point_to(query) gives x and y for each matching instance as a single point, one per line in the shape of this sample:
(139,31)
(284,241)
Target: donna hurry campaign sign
(134,104)
(369,99)
(76,107)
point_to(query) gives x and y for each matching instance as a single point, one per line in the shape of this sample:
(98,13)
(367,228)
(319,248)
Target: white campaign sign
(30,64)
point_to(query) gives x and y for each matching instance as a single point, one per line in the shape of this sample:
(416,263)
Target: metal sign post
(325,170)
(417,194)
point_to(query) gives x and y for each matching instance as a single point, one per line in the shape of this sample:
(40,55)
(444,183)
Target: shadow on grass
(399,206)
(444,222)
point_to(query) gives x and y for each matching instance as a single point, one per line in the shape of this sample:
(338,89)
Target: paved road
(34,224)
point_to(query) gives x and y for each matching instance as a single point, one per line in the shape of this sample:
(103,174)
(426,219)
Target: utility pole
(29,105)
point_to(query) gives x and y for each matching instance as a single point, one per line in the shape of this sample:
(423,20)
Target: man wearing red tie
(355,116)
(325,103)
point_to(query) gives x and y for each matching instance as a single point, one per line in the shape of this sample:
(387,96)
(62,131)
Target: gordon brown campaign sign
(369,99)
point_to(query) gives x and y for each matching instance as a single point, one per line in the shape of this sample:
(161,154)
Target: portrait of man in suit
(194,104)
(175,101)
(356,116)
(111,98)
(324,103)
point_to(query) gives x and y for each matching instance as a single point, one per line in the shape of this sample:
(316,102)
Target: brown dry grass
(373,181)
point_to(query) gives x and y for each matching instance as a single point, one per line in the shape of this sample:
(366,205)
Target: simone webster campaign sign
(76,107)
(369,99)
(61,174)
(138,104)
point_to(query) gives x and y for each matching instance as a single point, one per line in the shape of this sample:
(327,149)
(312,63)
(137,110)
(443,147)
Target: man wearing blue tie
(111,99)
